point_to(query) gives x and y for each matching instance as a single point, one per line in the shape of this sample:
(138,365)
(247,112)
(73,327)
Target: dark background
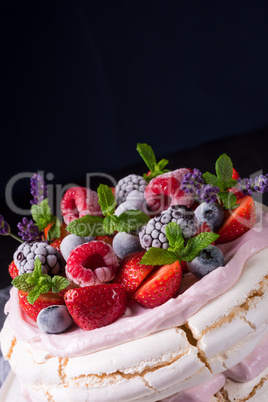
(84,81)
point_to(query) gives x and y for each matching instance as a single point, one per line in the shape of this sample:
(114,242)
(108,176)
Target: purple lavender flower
(195,184)
(207,193)
(38,189)
(28,230)
(259,184)
(4,227)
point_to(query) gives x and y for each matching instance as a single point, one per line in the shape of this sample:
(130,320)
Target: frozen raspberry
(165,190)
(91,264)
(78,202)
(127,185)
(26,253)
(153,234)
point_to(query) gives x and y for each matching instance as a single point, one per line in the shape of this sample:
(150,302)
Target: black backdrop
(84,81)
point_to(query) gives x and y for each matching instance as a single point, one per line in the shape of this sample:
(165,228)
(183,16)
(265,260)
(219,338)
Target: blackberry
(128,184)
(27,252)
(153,234)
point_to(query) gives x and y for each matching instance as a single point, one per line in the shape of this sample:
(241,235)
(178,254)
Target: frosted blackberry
(128,184)
(27,252)
(153,234)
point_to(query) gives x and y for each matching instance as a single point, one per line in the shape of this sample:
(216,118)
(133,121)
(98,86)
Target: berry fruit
(93,307)
(238,221)
(13,270)
(153,234)
(160,286)
(132,273)
(127,185)
(54,319)
(43,301)
(92,263)
(26,254)
(125,243)
(209,259)
(79,201)
(211,213)
(70,242)
(165,190)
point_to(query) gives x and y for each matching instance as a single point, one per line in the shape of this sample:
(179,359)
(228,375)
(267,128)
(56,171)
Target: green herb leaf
(161,164)
(34,294)
(88,225)
(107,200)
(147,154)
(211,179)
(41,214)
(59,283)
(20,282)
(131,220)
(54,230)
(110,224)
(224,168)
(175,237)
(228,199)
(158,256)
(196,244)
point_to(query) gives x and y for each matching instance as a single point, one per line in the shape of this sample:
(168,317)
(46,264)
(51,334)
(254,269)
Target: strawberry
(13,270)
(43,301)
(132,273)
(160,286)
(96,306)
(238,221)
(56,244)
(235,175)
(106,239)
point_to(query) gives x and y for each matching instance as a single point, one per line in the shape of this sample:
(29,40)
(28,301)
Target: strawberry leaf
(107,200)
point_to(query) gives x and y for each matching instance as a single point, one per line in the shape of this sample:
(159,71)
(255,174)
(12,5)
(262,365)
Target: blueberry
(54,319)
(70,242)
(209,259)
(125,243)
(211,213)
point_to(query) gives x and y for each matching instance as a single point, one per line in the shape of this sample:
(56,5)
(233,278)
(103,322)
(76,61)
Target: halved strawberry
(160,286)
(96,306)
(132,273)
(13,270)
(238,221)
(43,301)
(235,174)
(56,244)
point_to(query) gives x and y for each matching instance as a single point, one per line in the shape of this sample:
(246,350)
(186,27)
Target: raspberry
(91,264)
(26,253)
(79,201)
(153,234)
(127,185)
(165,190)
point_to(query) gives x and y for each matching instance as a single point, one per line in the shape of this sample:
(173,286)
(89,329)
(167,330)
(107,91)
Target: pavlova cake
(155,290)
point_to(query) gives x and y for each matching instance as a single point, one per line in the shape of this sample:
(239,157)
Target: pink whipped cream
(138,322)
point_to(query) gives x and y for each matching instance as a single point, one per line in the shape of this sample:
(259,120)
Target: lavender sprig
(208,193)
(195,184)
(38,189)
(257,185)
(5,229)
(28,230)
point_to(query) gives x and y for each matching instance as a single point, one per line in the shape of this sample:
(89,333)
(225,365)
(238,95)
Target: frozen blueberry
(209,259)
(54,319)
(70,242)
(125,243)
(211,213)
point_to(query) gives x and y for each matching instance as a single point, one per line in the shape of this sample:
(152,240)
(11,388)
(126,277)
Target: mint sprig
(179,250)
(147,154)
(223,179)
(37,283)
(42,216)
(90,225)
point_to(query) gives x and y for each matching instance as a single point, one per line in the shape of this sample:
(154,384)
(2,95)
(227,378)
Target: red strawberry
(160,286)
(56,244)
(96,306)
(43,301)
(238,221)
(106,239)
(13,270)
(132,273)
(235,175)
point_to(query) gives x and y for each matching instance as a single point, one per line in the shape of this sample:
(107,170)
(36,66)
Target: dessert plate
(10,389)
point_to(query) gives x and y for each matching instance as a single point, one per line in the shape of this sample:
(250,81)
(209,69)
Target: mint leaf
(110,224)
(20,282)
(34,294)
(147,154)
(158,256)
(161,164)
(59,283)
(88,225)
(230,183)
(224,168)
(174,236)
(54,230)
(228,199)
(131,220)
(36,274)
(41,214)
(107,200)
(211,179)
(196,244)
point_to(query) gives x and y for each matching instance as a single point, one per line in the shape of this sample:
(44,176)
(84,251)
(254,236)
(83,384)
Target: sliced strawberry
(160,286)
(235,175)
(238,221)
(132,273)
(96,306)
(56,244)
(13,270)
(43,301)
